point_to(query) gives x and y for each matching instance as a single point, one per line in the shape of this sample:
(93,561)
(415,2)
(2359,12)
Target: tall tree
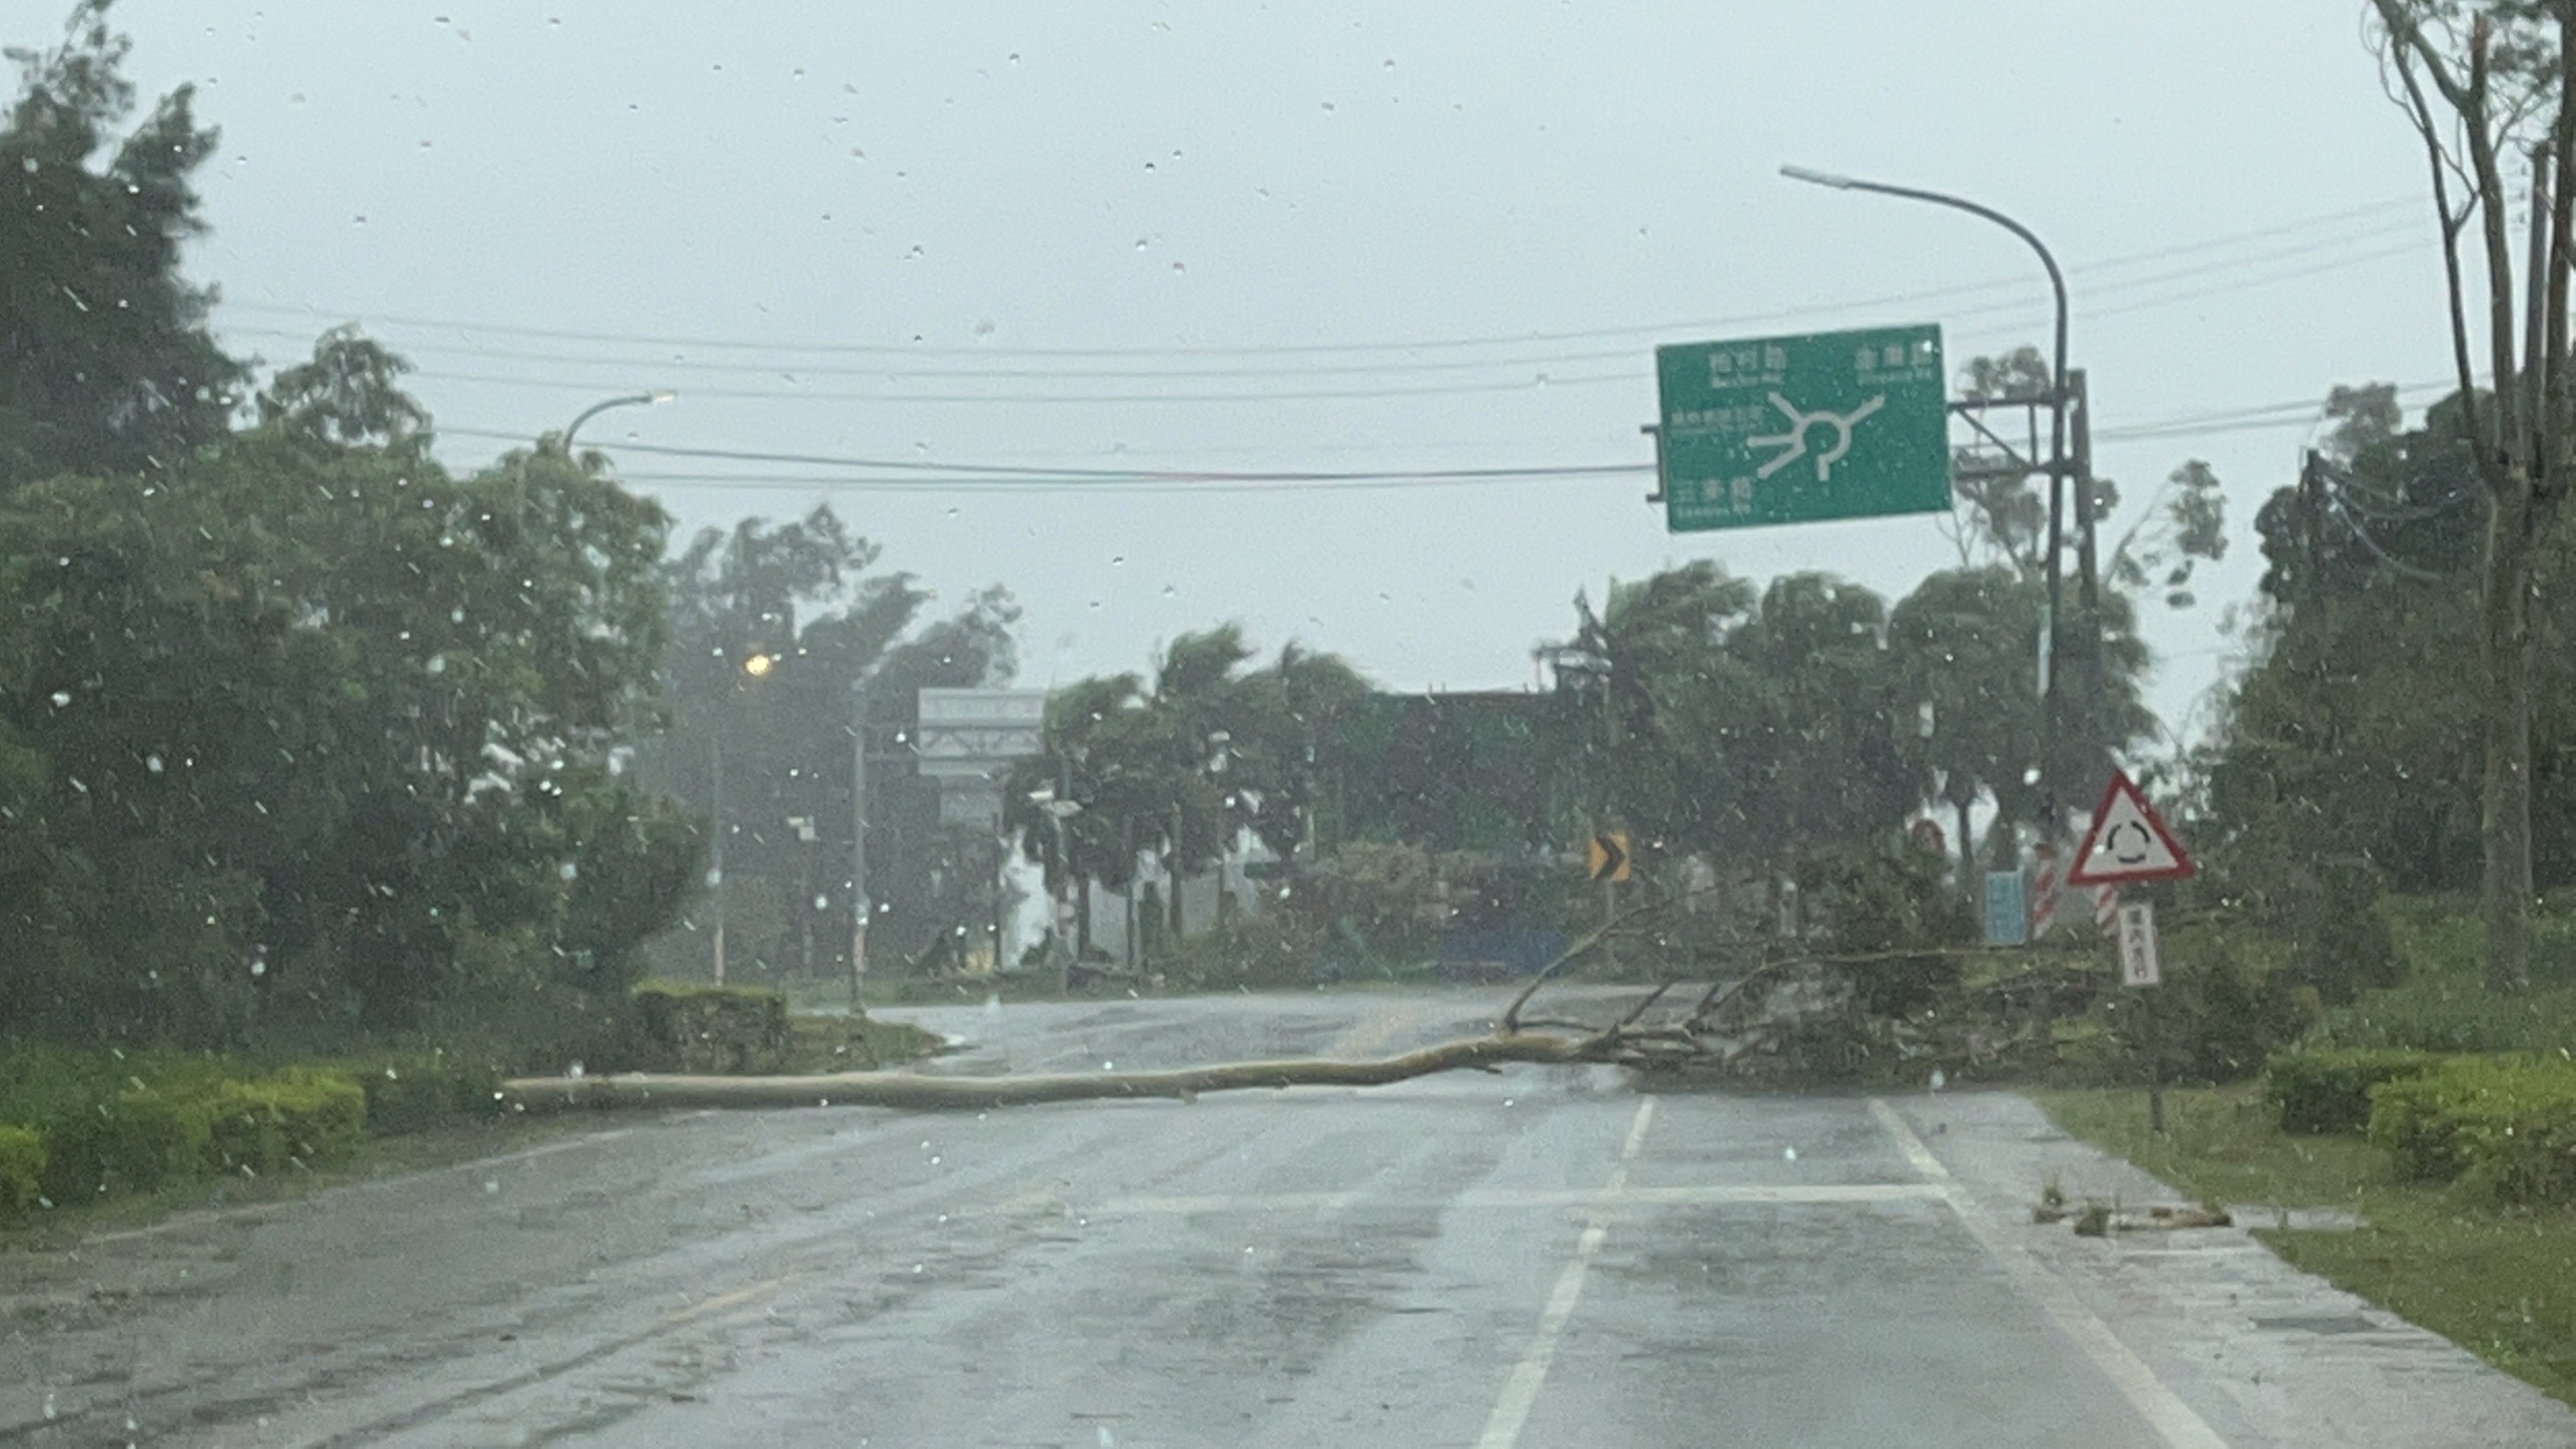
(837,642)
(106,365)
(1963,643)
(2487,86)
(1836,748)
(1183,767)
(306,691)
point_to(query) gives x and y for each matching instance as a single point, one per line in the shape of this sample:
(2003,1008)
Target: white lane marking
(2173,1420)
(1520,1391)
(1713,1195)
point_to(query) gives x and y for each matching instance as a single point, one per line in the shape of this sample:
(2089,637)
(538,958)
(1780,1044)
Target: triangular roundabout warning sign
(2129,842)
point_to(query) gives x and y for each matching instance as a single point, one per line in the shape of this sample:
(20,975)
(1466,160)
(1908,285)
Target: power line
(2306,250)
(1322,349)
(921,475)
(2301,413)
(794,371)
(1176,475)
(1536,382)
(822,483)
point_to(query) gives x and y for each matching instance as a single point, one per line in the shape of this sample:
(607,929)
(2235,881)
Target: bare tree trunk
(2520,443)
(2505,823)
(913,1091)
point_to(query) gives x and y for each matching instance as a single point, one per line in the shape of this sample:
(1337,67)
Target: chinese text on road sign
(1800,429)
(2129,842)
(2138,965)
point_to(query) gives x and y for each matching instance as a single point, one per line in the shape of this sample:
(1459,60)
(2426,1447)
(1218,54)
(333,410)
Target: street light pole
(640,399)
(860,905)
(2057,460)
(716,861)
(755,667)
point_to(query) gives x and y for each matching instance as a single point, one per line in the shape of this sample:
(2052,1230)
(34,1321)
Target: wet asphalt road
(1538,1258)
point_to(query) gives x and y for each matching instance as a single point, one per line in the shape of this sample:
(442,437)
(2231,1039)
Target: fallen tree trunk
(918,1092)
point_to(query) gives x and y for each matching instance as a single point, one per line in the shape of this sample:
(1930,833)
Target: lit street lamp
(640,399)
(757,666)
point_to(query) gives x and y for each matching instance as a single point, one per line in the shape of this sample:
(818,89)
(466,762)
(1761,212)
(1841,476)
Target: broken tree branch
(917,1092)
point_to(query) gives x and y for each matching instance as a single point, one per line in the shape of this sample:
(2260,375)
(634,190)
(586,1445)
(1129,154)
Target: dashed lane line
(1520,1391)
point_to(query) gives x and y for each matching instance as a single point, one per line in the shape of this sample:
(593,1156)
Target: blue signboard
(2007,908)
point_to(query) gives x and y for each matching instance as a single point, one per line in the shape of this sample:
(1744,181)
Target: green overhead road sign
(1802,429)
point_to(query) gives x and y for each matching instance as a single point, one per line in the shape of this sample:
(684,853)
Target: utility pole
(1001,863)
(2082,428)
(2312,505)
(1078,886)
(1173,875)
(716,856)
(1127,843)
(2080,400)
(860,905)
(807,837)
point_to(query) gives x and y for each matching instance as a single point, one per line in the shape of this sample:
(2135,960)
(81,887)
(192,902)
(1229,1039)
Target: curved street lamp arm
(2059,467)
(637,399)
(2056,278)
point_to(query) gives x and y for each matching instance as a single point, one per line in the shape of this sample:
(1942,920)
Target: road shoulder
(2265,1354)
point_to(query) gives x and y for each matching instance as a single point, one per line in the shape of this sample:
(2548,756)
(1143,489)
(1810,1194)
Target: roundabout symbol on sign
(1794,441)
(2128,843)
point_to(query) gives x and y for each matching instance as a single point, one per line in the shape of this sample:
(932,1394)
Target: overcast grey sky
(1232,212)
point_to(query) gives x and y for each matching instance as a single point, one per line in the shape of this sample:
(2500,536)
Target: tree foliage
(2348,759)
(106,365)
(840,641)
(2487,86)
(299,722)
(1213,750)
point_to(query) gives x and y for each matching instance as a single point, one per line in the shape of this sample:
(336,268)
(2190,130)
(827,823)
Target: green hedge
(297,1119)
(133,1141)
(710,1028)
(109,1139)
(424,1091)
(2327,1089)
(22,1169)
(2504,1128)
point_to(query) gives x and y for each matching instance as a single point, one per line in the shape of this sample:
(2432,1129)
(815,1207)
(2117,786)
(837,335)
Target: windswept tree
(106,365)
(1963,643)
(307,698)
(1184,765)
(2487,87)
(788,641)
